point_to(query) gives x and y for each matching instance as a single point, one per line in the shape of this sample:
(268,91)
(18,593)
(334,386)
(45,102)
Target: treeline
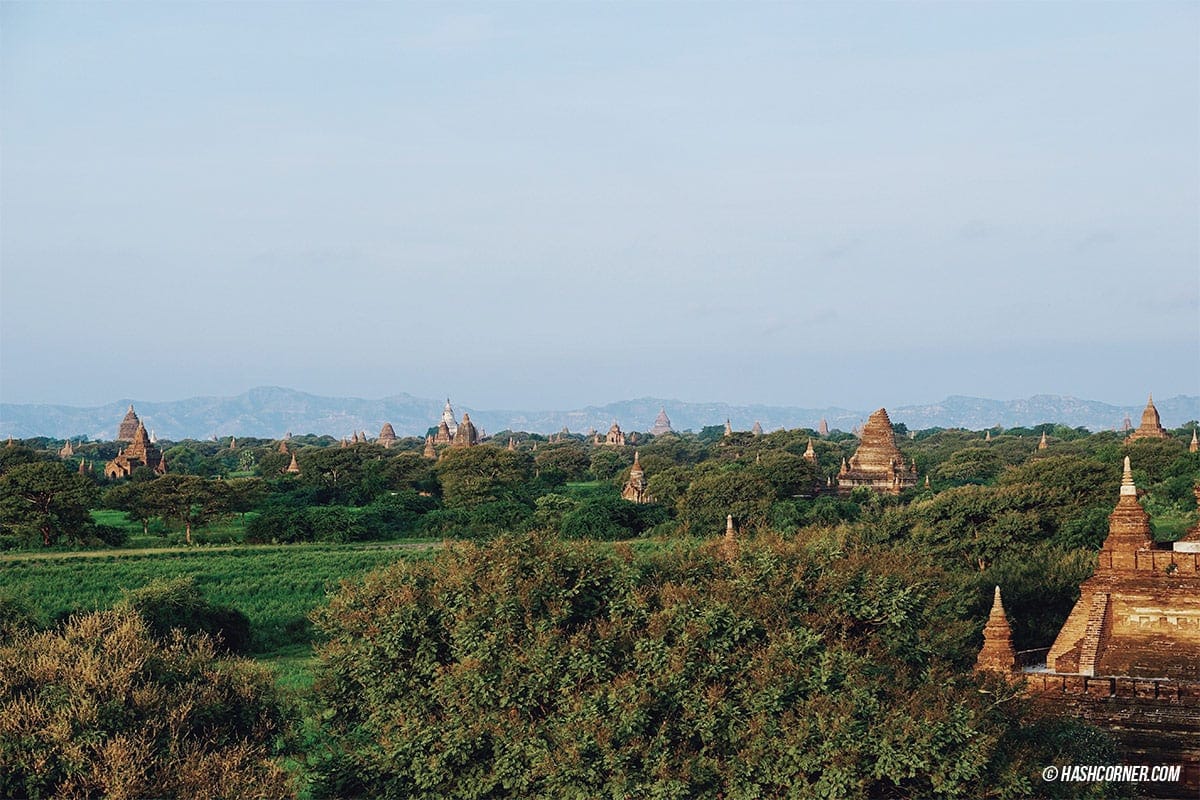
(572,487)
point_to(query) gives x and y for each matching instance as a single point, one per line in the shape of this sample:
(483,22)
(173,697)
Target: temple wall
(1154,722)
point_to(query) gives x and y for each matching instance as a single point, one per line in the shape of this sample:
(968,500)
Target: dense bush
(102,708)
(174,604)
(538,668)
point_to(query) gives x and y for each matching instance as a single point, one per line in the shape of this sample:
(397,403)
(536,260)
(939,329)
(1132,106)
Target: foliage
(533,667)
(473,475)
(44,500)
(174,604)
(102,708)
(716,493)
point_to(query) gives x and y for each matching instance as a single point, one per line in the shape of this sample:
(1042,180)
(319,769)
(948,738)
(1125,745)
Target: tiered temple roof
(757,429)
(1139,613)
(615,436)
(448,419)
(662,423)
(878,463)
(1151,427)
(466,435)
(129,426)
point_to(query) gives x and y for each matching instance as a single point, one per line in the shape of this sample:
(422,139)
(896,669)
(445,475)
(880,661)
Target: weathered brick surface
(878,463)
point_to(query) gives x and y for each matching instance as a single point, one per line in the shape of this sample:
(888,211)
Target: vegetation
(102,708)
(528,632)
(534,667)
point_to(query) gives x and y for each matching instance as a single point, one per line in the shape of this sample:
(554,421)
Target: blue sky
(548,205)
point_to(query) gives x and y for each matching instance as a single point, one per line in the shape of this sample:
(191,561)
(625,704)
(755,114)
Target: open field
(275,586)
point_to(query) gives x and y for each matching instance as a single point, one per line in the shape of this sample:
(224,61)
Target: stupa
(387,435)
(1151,427)
(997,654)
(635,488)
(128,426)
(662,423)
(878,463)
(1135,616)
(615,436)
(466,435)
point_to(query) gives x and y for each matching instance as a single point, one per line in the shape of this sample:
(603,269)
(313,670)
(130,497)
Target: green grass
(275,586)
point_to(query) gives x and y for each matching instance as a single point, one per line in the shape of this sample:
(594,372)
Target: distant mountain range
(269,412)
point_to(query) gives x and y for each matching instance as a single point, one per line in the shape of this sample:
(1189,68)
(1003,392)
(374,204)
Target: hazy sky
(552,204)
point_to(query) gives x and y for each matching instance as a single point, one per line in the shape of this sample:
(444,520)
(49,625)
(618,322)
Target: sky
(549,205)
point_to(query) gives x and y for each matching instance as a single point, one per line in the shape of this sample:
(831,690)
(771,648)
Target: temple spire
(1043,444)
(1195,444)
(997,654)
(729,547)
(1127,485)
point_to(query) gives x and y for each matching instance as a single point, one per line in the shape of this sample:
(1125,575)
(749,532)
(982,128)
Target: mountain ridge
(270,411)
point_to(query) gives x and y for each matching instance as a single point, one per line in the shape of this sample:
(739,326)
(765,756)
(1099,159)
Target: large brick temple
(1128,656)
(878,463)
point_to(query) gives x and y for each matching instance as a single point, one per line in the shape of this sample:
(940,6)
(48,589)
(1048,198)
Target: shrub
(178,603)
(102,708)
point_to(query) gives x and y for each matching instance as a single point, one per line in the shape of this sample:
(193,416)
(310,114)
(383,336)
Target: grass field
(275,586)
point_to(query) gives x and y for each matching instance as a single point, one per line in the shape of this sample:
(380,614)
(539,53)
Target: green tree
(46,499)
(170,604)
(473,475)
(131,497)
(186,499)
(713,495)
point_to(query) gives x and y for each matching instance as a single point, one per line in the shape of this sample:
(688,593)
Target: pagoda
(662,423)
(878,463)
(387,435)
(465,435)
(635,488)
(139,453)
(129,426)
(1151,427)
(1139,614)
(615,436)
(997,654)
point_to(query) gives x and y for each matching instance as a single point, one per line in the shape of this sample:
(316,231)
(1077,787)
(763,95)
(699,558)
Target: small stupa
(635,488)
(997,654)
